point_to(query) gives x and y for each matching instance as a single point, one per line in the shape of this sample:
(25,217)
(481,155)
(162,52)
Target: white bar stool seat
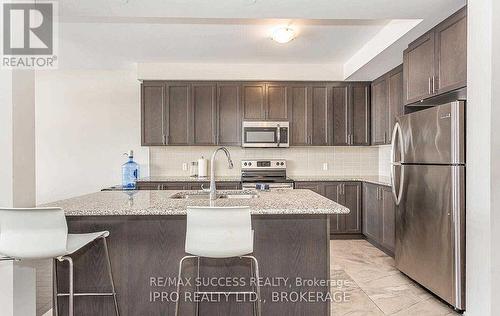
(220,232)
(42,233)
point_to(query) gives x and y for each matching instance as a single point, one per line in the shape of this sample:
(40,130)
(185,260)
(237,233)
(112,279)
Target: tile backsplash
(348,161)
(384,160)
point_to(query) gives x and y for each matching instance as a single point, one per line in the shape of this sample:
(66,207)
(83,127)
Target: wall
(342,161)
(223,71)
(483,158)
(384,160)
(6,194)
(85,121)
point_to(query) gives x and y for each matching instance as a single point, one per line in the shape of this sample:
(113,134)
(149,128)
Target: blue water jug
(130,172)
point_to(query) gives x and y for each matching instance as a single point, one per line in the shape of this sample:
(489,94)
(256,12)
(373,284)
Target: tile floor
(373,286)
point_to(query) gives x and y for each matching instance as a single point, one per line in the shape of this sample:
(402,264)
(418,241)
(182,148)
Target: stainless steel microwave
(265,134)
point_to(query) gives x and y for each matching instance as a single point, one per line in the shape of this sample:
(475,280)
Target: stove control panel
(264,164)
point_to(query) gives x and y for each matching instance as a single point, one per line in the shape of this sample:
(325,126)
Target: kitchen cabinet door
(223,185)
(379,111)
(320,118)
(204,110)
(178,108)
(360,114)
(340,104)
(371,210)
(152,113)
(395,99)
(451,53)
(276,102)
(220,185)
(297,98)
(228,114)
(418,60)
(253,101)
(388,220)
(351,195)
(332,191)
(177,186)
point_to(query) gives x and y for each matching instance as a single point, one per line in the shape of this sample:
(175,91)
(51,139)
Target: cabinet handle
(430,85)
(434,84)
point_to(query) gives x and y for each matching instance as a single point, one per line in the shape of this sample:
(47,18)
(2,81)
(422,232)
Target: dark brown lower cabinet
(379,216)
(344,193)
(186,185)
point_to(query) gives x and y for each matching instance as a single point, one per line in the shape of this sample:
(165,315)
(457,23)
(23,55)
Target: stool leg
(179,283)
(197,310)
(257,276)
(254,288)
(71,288)
(54,288)
(110,272)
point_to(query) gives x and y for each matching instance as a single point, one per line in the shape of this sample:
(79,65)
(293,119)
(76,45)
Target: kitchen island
(147,236)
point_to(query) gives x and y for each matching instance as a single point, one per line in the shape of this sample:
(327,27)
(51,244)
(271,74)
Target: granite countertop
(145,202)
(188,179)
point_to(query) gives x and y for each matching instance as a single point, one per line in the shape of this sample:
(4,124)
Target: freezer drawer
(430,229)
(433,136)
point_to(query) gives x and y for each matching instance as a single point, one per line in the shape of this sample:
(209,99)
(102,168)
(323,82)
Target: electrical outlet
(184,166)
(325,166)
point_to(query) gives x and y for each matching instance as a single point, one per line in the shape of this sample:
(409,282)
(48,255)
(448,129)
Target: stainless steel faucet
(213,189)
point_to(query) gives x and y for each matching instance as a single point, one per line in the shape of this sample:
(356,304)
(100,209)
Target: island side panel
(144,247)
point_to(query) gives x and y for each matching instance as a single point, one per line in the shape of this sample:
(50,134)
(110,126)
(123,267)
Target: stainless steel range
(265,173)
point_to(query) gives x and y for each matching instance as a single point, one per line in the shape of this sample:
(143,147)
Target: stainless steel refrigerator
(428,184)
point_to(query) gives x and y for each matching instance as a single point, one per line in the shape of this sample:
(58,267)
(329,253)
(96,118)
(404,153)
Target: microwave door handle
(279,135)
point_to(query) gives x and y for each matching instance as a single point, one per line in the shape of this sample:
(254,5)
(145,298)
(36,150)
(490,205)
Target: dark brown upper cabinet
(340,100)
(309,112)
(320,130)
(298,100)
(387,105)
(178,109)
(451,53)
(153,114)
(359,123)
(229,114)
(264,101)
(204,112)
(276,101)
(394,98)
(437,61)
(351,114)
(253,101)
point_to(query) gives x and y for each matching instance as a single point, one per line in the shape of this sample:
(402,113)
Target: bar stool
(42,233)
(220,232)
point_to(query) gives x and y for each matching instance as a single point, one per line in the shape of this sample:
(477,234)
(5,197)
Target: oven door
(260,136)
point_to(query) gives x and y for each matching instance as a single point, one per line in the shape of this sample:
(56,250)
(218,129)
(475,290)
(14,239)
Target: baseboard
(380,247)
(346,236)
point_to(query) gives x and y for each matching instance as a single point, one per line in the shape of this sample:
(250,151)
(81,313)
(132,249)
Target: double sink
(200,195)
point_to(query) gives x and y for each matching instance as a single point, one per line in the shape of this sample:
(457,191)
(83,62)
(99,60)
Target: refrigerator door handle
(397,135)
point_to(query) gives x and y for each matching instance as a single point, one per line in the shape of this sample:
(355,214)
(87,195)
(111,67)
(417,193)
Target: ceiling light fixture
(283,35)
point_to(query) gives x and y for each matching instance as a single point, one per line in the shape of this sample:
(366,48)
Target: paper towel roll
(202,167)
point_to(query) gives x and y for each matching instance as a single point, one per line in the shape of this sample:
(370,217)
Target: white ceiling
(117,33)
